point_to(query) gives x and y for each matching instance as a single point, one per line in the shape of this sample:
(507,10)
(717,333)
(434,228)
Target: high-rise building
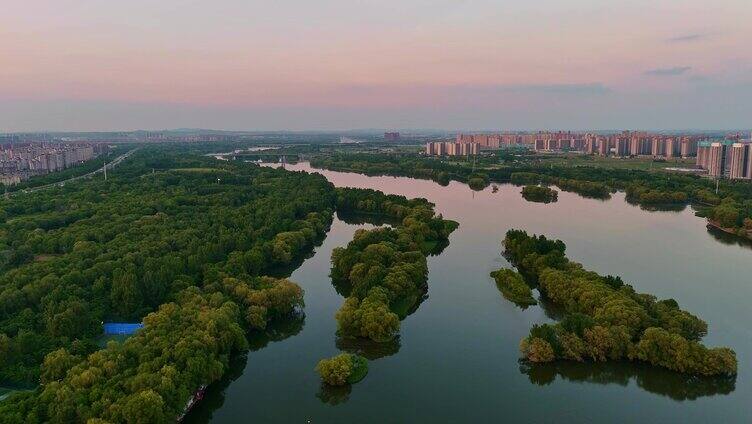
(688,147)
(703,154)
(451,148)
(670,147)
(430,148)
(717,159)
(658,147)
(739,160)
(621,146)
(634,146)
(441,149)
(603,148)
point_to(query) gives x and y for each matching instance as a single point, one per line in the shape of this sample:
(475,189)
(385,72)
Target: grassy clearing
(640,163)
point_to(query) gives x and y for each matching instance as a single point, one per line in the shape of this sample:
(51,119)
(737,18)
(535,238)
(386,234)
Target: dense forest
(606,319)
(181,242)
(383,272)
(730,209)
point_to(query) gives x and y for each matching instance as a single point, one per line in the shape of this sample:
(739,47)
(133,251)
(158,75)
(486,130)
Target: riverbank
(738,232)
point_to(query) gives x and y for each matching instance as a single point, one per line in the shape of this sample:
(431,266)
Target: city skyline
(86,66)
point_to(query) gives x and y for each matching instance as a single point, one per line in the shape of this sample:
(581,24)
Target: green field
(643,163)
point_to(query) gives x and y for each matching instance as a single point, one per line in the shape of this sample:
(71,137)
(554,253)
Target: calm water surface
(457,356)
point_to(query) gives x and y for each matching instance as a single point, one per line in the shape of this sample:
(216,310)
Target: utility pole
(105,169)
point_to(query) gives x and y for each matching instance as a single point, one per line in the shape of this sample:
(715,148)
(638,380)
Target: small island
(342,369)
(382,272)
(605,319)
(477,183)
(540,194)
(513,287)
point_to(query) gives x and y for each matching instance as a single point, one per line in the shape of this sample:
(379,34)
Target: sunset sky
(342,64)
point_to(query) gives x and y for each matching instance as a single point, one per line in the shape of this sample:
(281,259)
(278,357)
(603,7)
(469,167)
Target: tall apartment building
(634,146)
(740,161)
(717,159)
(625,143)
(657,147)
(703,154)
(488,141)
(688,147)
(670,148)
(24,160)
(448,148)
(603,146)
(430,148)
(621,146)
(726,158)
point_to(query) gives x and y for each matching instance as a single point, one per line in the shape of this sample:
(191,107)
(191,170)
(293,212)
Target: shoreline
(732,231)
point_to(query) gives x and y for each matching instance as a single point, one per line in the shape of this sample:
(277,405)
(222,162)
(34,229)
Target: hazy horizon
(84,65)
(378,131)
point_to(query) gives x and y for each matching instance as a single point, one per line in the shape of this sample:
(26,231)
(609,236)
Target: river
(456,359)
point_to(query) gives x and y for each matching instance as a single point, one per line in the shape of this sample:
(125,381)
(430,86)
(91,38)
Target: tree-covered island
(539,194)
(342,369)
(513,287)
(383,272)
(606,319)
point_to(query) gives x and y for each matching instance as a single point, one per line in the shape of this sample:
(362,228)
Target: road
(109,165)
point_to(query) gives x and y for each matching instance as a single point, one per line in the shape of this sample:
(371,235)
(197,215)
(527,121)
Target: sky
(92,65)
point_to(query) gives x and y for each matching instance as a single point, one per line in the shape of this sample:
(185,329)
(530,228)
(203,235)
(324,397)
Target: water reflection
(214,398)
(286,270)
(728,239)
(368,348)
(334,395)
(354,218)
(655,380)
(668,207)
(277,331)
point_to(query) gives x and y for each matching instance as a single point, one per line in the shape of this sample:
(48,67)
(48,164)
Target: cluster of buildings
(449,148)
(21,161)
(627,143)
(392,136)
(730,158)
